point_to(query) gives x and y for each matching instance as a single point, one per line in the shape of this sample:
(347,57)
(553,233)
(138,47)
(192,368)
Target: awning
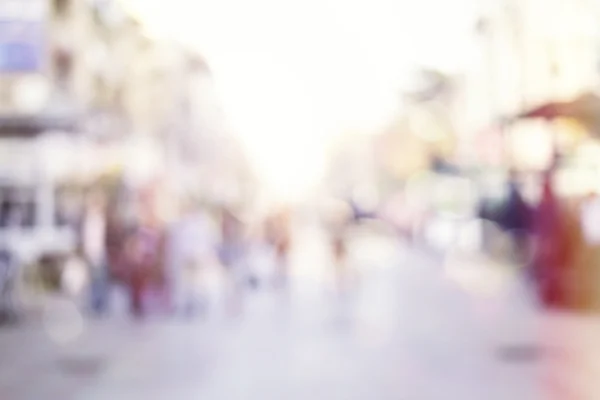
(584,109)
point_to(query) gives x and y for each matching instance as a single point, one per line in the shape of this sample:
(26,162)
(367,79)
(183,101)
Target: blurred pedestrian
(278,233)
(191,242)
(8,282)
(142,261)
(339,221)
(552,255)
(135,274)
(516,219)
(116,237)
(587,253)
(232,254)
(93,245)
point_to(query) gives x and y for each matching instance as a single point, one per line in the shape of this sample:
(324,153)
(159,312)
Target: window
(63,65)
(61,7)
(119,97)
(17,207)
(6,208)
(68,206)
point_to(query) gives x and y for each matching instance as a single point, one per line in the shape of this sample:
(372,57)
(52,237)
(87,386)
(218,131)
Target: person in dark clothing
(515,218)
(8,281)
(517,213)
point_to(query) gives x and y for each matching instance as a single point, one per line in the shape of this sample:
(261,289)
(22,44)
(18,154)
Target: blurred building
(85,88)
(426,129)
(89,69)
(354,168)
(528,53)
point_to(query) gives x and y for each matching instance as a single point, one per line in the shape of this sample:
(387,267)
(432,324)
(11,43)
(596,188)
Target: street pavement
(409,325)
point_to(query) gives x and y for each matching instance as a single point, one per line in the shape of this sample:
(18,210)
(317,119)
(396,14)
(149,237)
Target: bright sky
(294,74)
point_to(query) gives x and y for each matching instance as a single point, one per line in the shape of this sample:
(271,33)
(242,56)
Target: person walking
(191,240)
(278,233)
(553,246)
(93,243)
(232,255)
(339,222)
(516,219)
(142,262)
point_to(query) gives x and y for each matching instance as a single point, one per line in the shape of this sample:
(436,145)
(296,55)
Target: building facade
(528,53)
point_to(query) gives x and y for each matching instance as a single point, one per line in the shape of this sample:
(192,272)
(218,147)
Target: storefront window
(69,204)
(61,7)
(17,207)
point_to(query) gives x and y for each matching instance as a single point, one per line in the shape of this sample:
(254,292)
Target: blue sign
(21,46)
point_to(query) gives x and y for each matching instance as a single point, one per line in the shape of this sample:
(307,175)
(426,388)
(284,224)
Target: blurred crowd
(555,239)
(171,260)
(166,264)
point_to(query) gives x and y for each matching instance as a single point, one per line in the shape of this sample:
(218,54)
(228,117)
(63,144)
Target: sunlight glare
(287,90)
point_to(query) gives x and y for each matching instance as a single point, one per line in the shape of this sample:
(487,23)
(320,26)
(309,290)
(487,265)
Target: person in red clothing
(553,246)
(141,255)
(132,272)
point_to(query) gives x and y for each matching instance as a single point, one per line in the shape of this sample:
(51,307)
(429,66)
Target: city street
(410,327)
(299,200)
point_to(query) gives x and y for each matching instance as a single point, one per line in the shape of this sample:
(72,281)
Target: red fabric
(140,261)
(553,256)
